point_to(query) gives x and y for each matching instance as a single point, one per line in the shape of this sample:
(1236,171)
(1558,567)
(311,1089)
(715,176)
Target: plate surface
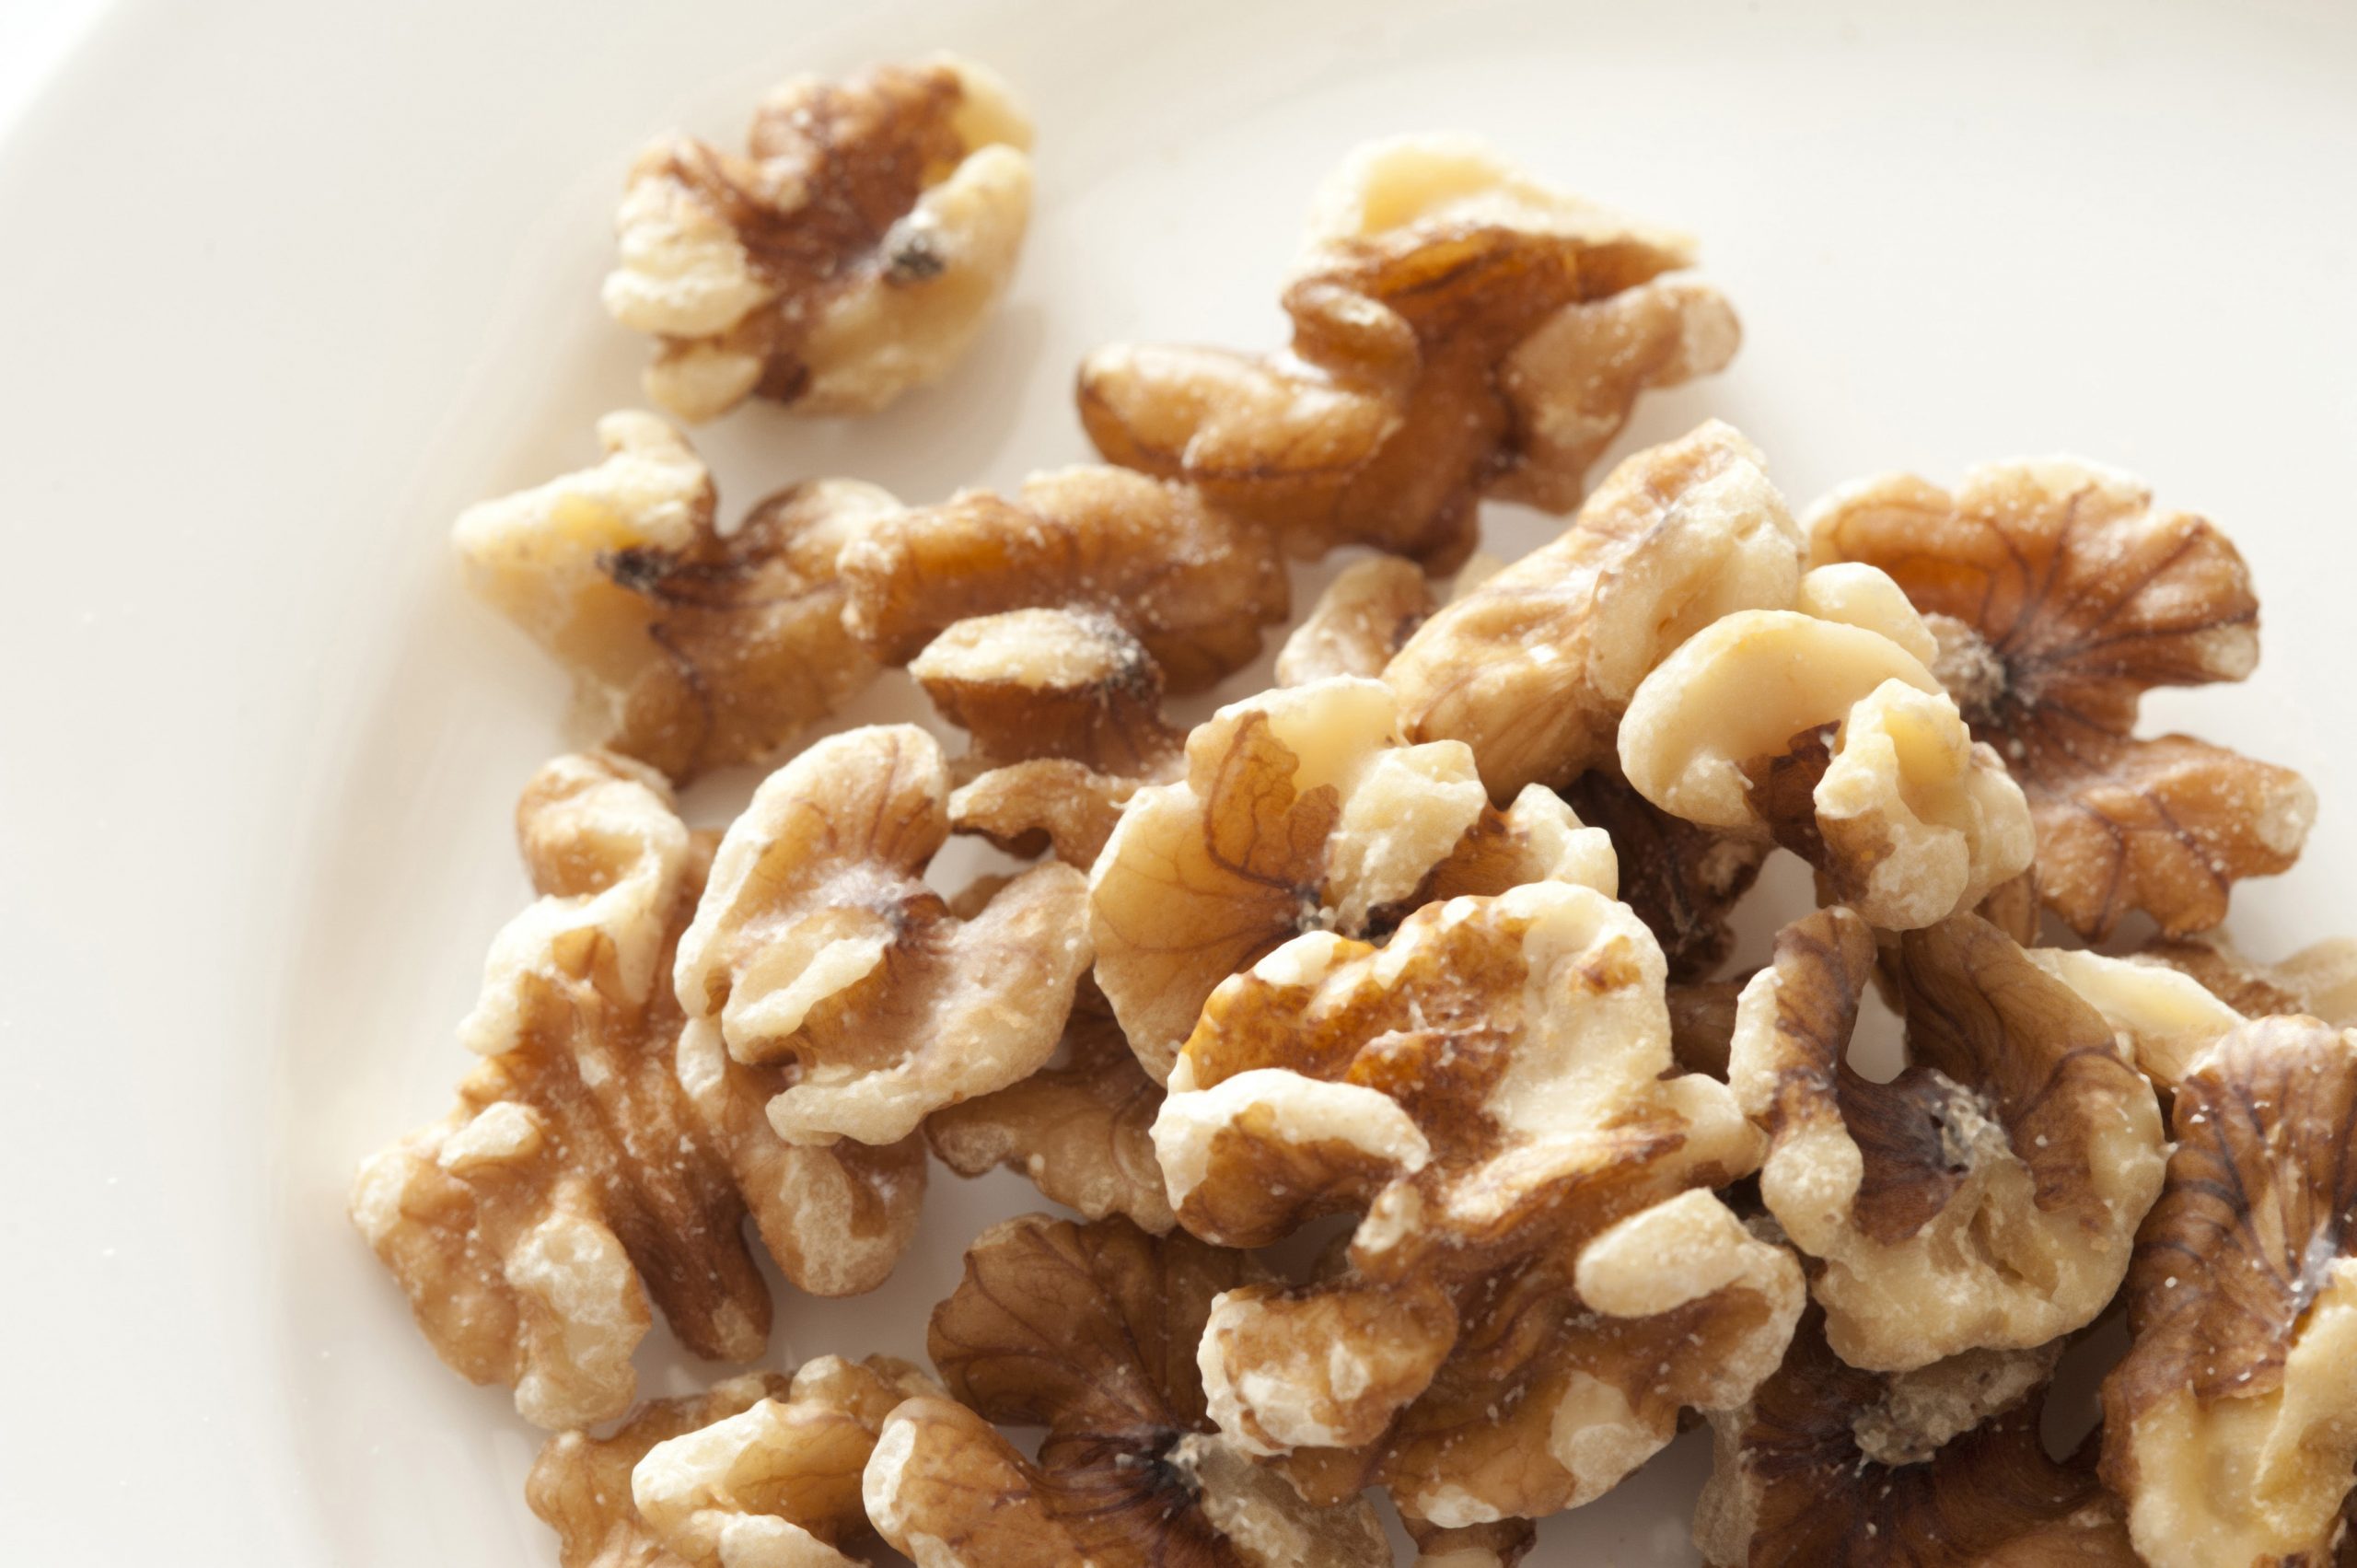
(283,286)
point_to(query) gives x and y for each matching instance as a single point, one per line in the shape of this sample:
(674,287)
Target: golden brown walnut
(1048,805)
(1499,1544)
(690,649)
(1701,1023)
(1457,330)
(1532,668)
(1192,583)
(2230,1428)
(2320,979)
(1822,728)
(1683,880)
(1082,1129)
(1987,1197)
(762,1471)
(851,254)
(1570,1371)
(2060,597)
(1493,1086)
(1359,623)
(817,944)
(1089,1331)
(1301,810)
(1831,1467)
(573,1181)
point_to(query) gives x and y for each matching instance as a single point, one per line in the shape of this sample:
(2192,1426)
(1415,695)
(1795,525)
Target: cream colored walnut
(2163,1019)
(2320,979)
(1089,1332)
(1458,329)
(1834,739)
(1301,810)
(2059,596)
(1501,1544)
(763,1471)
(690,649)
(1493,1086)
(2230,1427)
(1359,623)
(851,254)
(1831,1465)
(1985,1198)
(1532,668)
(573,1181)
(817,943)
(1081,1128)
(1191,583)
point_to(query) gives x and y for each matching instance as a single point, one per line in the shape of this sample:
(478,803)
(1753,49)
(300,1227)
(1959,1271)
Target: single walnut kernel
(1988,1195)
(530,1225)
(817,944)
(690,649)
(1300,810)
(1532,668)
(1458,329)
(1567,1376)
(1192,583)
(2060,597)
(2230,1428)
(1832,1465)
(1359,623)
(1034,684)
(1089,1332)
(762,1471)
(852,255)
(1081,1130)
(1493,1086)
(1833,739)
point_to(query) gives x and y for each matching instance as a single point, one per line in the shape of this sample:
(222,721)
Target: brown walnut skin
(1791,1486)
(2059,598)
(1089,1331)
(1190,583)
(1392,414)
(1682,880)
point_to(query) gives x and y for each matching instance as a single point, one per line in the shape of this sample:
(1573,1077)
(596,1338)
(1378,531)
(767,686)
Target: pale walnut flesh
(573,1182)
(1457,330)
(1832,738)
(2060,597)
(1492,1087)
(2162,1017)
(1499,1544)
(2230,1427)
(850,254)
(1568,1376)
(1301,810)
(1533,666)
(1089,1332)
(1359,623)
(690,649)
(1193,584)
(1831,1465)
(1081,1128)
(1986,1197)
(2320,979)
(762,1471)
(818,946)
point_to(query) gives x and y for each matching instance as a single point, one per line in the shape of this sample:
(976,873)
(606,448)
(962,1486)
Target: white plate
(282,285)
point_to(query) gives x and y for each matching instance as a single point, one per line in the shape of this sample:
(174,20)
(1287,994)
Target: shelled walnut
(530,1227)
(2060,597)
(1532,668)
(1089,1332)
(762,1471)
(1359,623)
(1822,728)
(819,953)
(1457,330)
(1192,583)
(2320,979)
(1301,810)
(1081,1130)
(1985,1198)
(690,649)
(2230,1427)
(1943,1468)
(851,254)
(1683,880)
(1492,1087)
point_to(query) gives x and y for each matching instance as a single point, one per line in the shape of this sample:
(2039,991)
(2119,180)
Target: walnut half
(851,254)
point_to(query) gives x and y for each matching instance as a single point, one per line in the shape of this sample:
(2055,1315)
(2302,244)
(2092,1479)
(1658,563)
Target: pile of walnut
(1424,936)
